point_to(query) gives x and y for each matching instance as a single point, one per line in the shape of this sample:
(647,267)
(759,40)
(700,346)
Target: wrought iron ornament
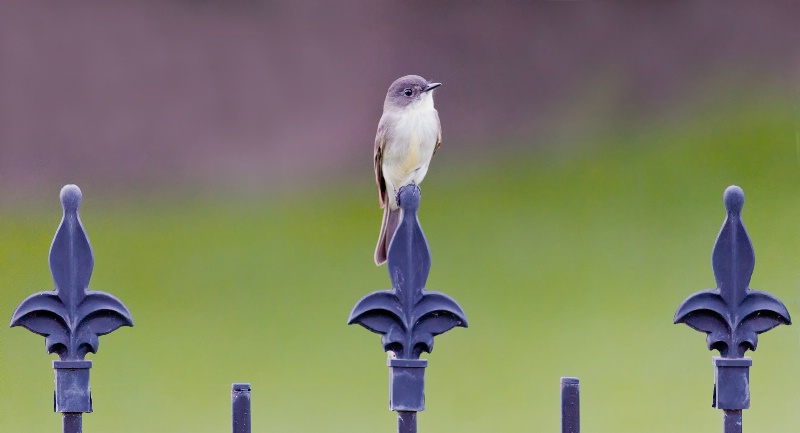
(408,316)
(732,315)
(71,317)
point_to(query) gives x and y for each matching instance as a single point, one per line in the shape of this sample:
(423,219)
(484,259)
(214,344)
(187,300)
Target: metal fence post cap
(732,383)
(407,384)
(73,393)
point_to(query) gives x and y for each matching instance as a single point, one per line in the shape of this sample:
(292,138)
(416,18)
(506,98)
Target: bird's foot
(411,186)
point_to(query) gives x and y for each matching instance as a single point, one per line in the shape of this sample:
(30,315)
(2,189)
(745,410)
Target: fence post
(240,407)
(408,316)
(71,317)
(732,315)
(570,405)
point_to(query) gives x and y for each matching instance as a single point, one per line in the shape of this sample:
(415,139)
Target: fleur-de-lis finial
(732,314)
(408,316)
(71,317)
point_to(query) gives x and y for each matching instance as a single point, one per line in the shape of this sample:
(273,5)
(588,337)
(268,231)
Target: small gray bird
(408,135)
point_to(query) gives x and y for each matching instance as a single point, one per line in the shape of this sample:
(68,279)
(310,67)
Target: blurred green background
(569,245)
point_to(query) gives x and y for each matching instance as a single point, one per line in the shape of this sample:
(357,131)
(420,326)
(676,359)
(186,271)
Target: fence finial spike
(71,197)
(734,199)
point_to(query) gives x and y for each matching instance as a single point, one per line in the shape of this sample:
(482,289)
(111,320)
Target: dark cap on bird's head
(408,89)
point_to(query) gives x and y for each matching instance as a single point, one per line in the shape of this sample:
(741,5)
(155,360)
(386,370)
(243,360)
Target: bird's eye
(407,91)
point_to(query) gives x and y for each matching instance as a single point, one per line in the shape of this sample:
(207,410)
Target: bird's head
(411,90)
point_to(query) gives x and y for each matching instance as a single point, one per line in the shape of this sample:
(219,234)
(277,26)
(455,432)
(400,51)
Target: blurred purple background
(256,94)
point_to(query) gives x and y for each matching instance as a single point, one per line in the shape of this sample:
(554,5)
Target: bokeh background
(224,150)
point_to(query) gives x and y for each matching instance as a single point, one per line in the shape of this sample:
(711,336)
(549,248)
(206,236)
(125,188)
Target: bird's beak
(431,86)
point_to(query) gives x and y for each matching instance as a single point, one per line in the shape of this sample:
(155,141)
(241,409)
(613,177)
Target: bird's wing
(439,137)
(380,141)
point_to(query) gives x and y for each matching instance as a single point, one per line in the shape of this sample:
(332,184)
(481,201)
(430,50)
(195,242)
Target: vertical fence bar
(72,422)
(570,405)
(240,407)
(732,421)
(732,315)
(71,317)
(408,316)
(406,422)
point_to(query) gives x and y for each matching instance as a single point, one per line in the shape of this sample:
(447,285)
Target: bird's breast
(412,142)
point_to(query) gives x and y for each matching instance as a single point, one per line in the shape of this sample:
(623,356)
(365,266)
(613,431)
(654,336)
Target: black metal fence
(732,316)
(71,318)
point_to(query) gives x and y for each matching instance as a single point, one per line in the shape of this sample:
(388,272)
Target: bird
(409,133)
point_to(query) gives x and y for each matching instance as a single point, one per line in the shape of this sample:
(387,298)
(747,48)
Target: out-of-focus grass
(565,266)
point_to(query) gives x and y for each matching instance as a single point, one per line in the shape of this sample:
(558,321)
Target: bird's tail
(391,219)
